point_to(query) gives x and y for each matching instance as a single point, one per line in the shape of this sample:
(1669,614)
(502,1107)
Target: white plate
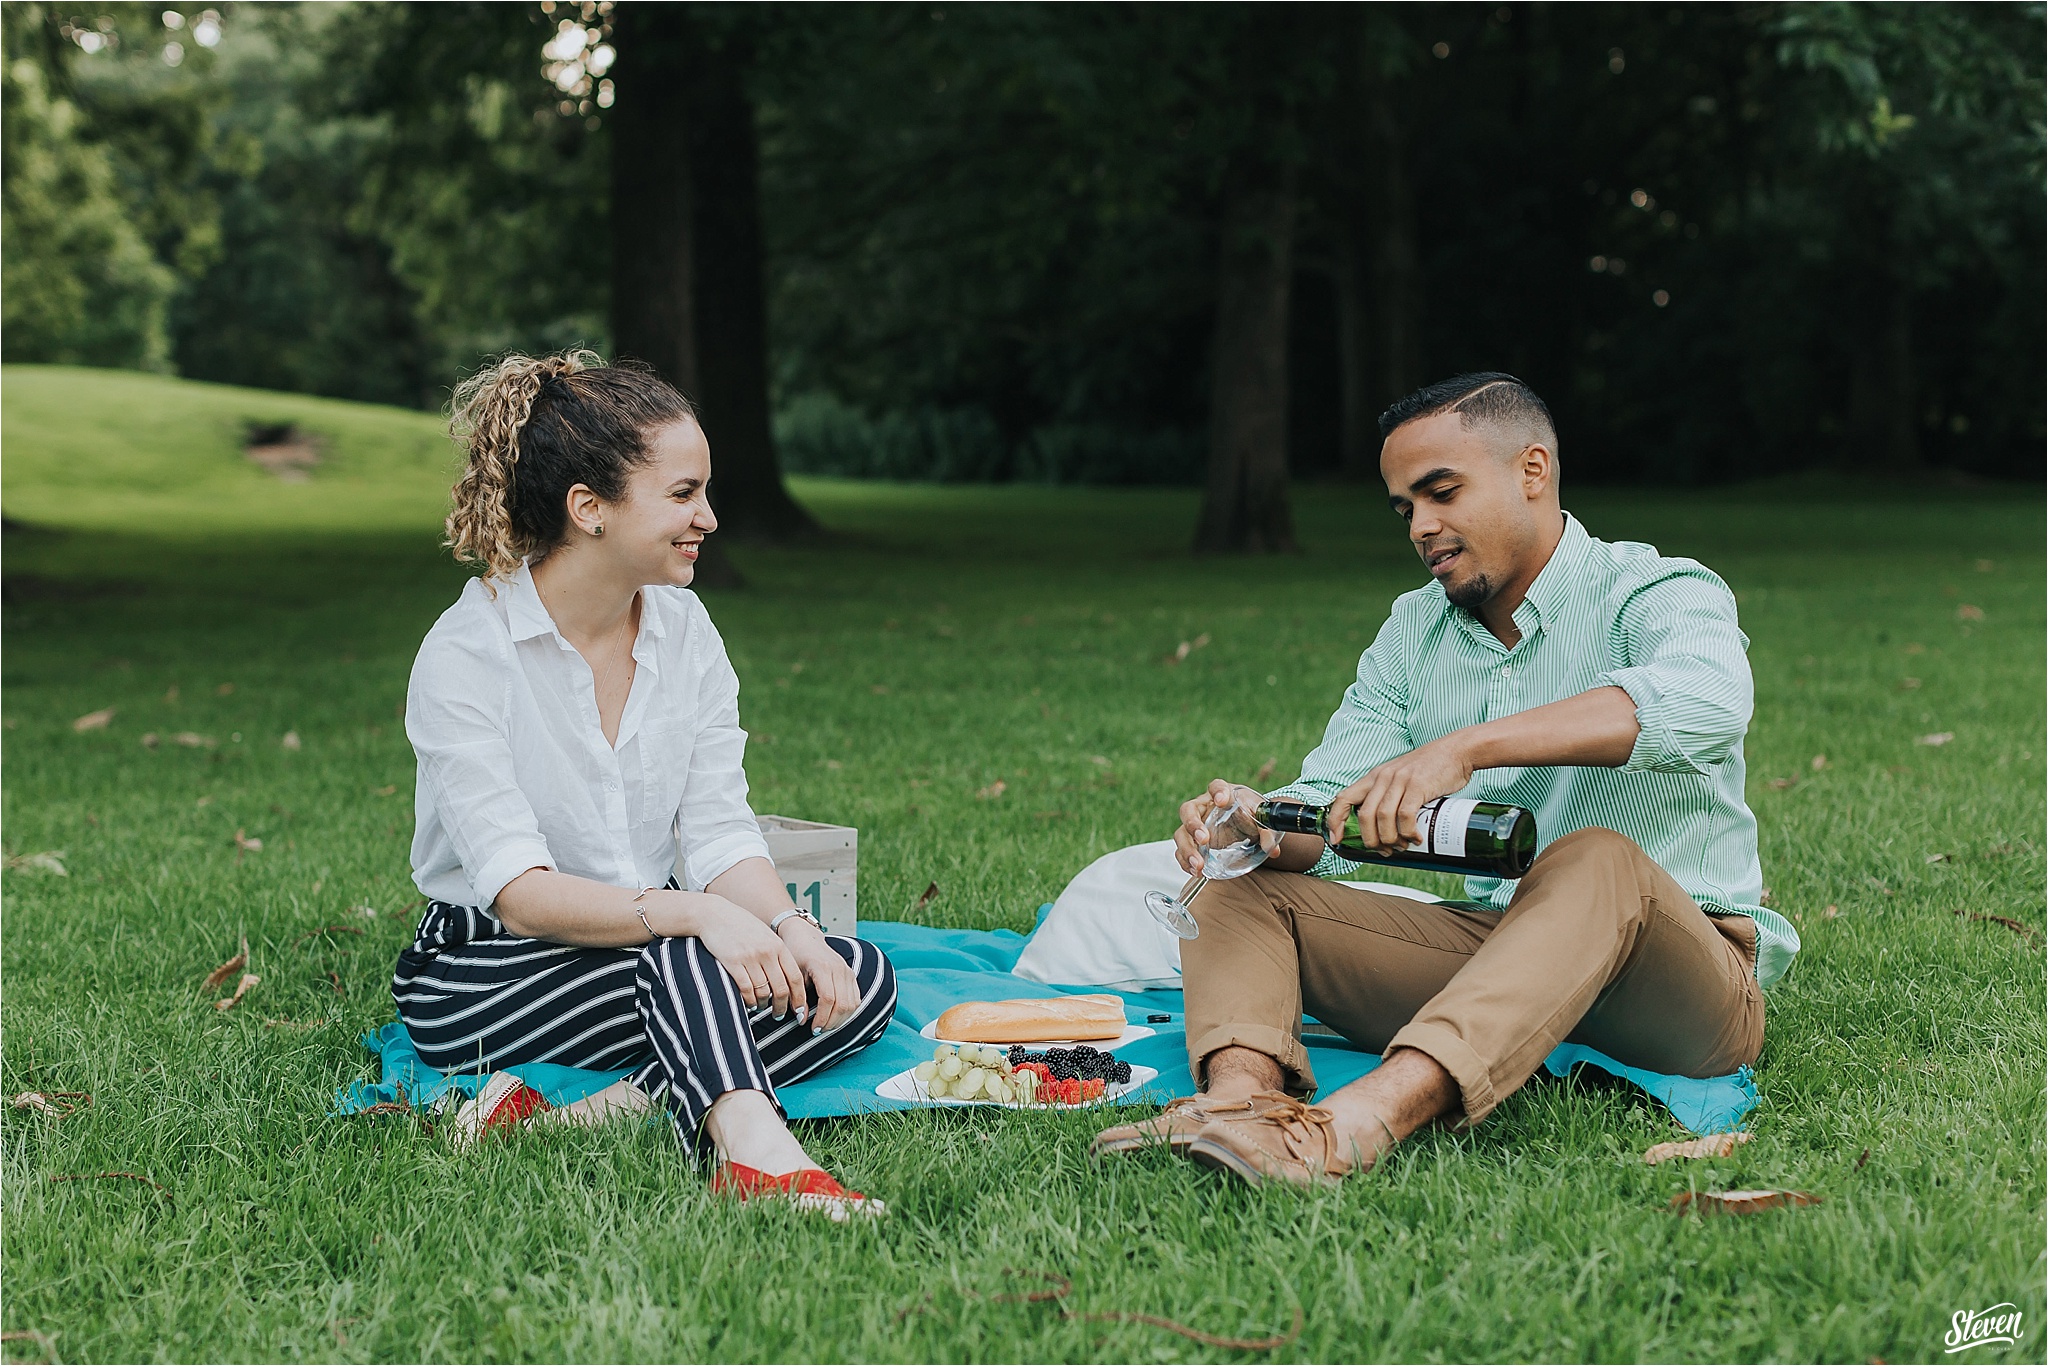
(903,1086)
(1132,1033)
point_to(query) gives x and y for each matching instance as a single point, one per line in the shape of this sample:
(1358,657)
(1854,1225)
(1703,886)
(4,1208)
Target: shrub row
(820,434)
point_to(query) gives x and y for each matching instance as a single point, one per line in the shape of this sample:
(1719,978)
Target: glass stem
(1194,886)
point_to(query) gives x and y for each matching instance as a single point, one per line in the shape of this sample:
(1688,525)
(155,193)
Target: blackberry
(1121,1074)
(1016,1054)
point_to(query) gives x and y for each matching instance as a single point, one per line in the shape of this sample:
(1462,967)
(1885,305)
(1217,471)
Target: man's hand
(1192,838)
(1388,797)
(832,984)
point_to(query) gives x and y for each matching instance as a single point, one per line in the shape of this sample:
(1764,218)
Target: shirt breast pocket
(664,771)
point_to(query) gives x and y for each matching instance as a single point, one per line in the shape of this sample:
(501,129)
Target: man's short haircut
(1488,397)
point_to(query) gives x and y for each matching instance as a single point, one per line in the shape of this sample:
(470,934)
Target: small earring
(597,530)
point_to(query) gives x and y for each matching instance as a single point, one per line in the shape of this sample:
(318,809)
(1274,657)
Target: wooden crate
(819,864)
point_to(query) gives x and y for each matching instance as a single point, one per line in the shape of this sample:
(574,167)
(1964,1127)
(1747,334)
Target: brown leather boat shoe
(1284,1139)
(1175,1126)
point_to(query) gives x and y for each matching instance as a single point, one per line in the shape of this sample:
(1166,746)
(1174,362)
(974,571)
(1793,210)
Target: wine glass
(1234,849)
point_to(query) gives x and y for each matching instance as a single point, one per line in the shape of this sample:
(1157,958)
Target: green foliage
(79,279)
(1019,634)
(1724,241)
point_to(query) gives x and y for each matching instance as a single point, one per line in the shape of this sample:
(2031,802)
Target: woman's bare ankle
(746,1129)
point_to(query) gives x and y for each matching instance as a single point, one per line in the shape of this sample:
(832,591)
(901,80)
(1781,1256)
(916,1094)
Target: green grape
(926,1071)
(971,1084)
(951,1067)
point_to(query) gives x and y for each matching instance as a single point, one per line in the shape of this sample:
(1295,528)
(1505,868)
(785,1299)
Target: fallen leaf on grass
(224,690)
(992,791)
(387,791)
(291,741)
(249,979)
(1739,1202)
(1940,737)
(48,861)
(879,689)
(56,1104)
(1265,771)
(1863,1159)
(1099,760)
(1713,1145)
(246,845)
(2015,926)
(227,969)
(205,801)
(1780,784)
(1878,885)
(1830,913)
(366,912)
(329,929)
(1939,858)
(193,740)
(113,1176)
(1820,761)
(335,978)
(40,1339)
(931,890)
(1908,684)
(149,740)
(93,720)
(1969,613)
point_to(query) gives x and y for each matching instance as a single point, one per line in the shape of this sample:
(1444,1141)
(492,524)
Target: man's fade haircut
(1488,396)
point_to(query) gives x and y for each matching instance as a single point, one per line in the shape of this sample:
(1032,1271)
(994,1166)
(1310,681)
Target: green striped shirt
(1660,628)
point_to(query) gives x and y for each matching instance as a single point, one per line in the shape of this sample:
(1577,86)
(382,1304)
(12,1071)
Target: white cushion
(1099,933)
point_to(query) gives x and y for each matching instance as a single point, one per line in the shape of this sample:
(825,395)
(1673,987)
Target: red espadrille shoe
(809,1189)
(506,1102)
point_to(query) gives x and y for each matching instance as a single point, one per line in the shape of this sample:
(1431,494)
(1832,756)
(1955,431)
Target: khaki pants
(1599,947)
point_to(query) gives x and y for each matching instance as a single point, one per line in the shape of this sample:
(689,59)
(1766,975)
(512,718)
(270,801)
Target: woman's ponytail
(530,429)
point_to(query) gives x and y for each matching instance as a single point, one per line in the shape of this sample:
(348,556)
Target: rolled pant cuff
(1278,1044)
(1455,1056)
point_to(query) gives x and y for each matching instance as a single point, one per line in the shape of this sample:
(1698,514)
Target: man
(1603,686)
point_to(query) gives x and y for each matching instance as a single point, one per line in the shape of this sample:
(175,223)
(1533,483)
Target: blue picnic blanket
(936,969)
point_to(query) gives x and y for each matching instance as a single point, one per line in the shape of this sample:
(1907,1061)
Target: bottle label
(1442,825)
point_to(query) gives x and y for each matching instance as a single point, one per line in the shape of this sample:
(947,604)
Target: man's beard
(1470,594)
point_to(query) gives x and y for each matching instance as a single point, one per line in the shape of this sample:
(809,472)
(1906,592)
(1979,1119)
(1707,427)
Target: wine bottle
(1459,835)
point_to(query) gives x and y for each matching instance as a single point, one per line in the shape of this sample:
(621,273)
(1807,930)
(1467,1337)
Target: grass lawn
(945,639)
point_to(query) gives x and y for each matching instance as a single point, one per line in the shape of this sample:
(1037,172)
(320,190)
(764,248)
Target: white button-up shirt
(514,769)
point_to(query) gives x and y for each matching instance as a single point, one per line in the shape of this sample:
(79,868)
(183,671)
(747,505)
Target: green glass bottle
(1459,835)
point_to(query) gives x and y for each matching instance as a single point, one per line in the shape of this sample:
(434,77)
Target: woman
(575,717)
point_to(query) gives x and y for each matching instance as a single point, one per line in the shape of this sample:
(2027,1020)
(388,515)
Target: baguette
(1060,1017)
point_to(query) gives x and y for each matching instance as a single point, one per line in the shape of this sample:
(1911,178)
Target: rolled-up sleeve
(715,825)
(454,716)
(1369,727)
(1686,670)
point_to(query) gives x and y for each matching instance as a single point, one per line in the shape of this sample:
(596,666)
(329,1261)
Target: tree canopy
(1089,243)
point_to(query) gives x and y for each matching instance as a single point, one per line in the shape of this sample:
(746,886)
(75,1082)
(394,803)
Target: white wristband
(776,923)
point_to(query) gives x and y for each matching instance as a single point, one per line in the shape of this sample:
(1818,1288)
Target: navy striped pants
(475,998)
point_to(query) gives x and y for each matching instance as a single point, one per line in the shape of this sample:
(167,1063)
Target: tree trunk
(654,312)
(1245,504)
(1379,283)
(1884,421)
(688,293)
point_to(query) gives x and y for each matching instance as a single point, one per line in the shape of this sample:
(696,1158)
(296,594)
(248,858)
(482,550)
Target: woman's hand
(757,957)
(838,994)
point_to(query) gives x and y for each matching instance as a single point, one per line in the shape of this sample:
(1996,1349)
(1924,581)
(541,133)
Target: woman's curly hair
(533,427)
